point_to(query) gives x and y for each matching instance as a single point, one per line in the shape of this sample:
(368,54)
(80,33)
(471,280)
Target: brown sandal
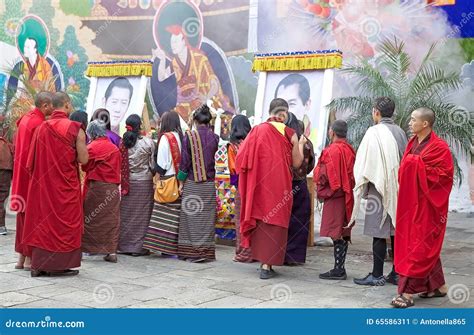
(433,294)
(110,258)
(402,302)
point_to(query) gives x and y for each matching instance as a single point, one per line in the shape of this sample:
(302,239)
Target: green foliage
(9,20)
(75,7)
(392,75)
(467,45)
(45,11)
(72,59)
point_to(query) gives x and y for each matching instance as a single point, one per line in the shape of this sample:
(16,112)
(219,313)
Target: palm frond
(430,87)
(369,80)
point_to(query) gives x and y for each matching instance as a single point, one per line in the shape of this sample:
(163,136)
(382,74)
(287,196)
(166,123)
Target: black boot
(339,271)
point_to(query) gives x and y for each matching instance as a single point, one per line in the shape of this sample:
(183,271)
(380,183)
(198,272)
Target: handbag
(167,188)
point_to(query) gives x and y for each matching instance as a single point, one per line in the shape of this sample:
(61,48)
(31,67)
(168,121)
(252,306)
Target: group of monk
(406,188)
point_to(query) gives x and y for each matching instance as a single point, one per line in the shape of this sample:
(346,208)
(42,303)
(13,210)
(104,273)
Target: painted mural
(204,48)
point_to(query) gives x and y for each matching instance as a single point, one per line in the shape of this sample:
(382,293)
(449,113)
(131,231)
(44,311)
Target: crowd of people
(80,189)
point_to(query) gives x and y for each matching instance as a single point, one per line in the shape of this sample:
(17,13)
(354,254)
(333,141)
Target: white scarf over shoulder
(377,162)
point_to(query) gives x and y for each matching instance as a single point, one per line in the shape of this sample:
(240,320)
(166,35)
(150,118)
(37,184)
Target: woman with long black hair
(137,187)
(162,232)
(298,230)
(240,127)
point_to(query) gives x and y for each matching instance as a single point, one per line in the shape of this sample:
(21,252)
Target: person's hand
(159,53)
(303,140)
(350,225)
(180,188)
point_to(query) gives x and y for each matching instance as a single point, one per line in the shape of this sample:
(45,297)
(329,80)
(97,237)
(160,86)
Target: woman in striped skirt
(162,233)
(196,176)
(137,188)
(240,128)
(101,194)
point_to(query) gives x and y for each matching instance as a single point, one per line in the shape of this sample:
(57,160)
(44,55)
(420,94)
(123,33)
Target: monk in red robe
(54,216)
(264,163)
(26,127)
(334,178)
(426,179)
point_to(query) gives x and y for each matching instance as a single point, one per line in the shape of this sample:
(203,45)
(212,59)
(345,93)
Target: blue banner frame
(237,321)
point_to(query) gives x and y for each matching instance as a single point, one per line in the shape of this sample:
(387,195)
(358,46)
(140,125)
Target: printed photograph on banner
(119,95)
(302,90)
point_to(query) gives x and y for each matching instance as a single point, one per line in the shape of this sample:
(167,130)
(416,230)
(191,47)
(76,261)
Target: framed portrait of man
(120,88)
(307,94)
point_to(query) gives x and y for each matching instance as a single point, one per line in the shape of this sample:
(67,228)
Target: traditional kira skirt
(135,213)
(101,218)
(162,233)
(197,221)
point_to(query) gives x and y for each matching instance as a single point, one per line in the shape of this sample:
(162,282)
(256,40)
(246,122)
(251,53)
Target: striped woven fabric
(162,233)
(135,212)
(197,219)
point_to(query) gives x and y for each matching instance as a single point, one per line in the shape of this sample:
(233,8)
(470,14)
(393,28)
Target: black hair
(385,106)
(33,39)
(103,115)
(202,115)
(295,124)
(239,128)
(339,127)
(121,82)
(130,136)
(304,90)
(81,117)
(278,105)
(60,99)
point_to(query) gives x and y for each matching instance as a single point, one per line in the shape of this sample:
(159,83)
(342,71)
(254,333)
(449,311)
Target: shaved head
(42,98)
(426,114)
(60,99)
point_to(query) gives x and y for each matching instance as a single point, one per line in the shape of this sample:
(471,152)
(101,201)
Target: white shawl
(377,161)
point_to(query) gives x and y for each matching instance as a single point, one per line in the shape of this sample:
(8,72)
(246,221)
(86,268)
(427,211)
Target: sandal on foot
(19,267)
(433,294)
(402,302)
(110,258)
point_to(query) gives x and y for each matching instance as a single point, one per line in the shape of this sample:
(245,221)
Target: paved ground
(154,281)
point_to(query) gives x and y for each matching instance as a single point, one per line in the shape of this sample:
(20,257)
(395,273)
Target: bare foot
(21,262)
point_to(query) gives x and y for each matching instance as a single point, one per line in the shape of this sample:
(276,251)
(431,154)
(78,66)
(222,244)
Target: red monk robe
(264,164)
(54,215)
(334,179)
(426,179)
(26,127)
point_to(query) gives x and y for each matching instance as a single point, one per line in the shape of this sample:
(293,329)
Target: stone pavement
(154,281)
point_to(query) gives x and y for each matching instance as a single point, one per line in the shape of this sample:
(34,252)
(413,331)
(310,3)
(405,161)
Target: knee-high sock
(379,249)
